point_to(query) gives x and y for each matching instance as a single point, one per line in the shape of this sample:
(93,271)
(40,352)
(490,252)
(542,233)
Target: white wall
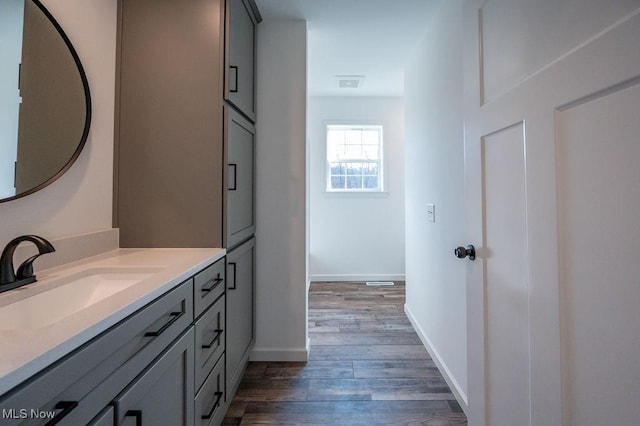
(436,298)
(280,192)
(80,201)
(356,237)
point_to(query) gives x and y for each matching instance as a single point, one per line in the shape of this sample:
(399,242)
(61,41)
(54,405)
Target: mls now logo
(24,413)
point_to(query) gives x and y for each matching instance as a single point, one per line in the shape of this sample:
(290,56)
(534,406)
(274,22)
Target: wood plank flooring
(367,366)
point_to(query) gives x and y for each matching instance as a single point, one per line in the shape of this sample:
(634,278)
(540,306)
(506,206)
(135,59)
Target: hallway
(367,366)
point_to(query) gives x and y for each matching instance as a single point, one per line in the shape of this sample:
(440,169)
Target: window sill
(356,194)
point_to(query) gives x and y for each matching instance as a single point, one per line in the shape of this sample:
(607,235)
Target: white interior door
(552,147)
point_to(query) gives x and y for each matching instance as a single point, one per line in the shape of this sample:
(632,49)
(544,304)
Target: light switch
(431,212)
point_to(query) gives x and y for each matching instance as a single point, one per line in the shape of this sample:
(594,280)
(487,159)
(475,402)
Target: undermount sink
(71,294)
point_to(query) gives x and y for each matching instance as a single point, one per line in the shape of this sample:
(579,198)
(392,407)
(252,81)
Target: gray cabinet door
(240,309)
(240,54)
(240,142)
(105,418)
(163,393)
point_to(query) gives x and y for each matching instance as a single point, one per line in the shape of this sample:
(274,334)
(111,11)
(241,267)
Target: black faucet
(24,275)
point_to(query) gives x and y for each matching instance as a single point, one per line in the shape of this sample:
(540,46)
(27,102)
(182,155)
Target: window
(354,158)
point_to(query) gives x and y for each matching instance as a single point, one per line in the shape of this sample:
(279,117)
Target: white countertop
(26,352)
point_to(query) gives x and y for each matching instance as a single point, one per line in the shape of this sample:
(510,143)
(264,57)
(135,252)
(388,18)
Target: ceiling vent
(349,81)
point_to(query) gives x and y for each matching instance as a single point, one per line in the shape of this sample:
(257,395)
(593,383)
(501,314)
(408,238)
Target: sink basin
(68,295)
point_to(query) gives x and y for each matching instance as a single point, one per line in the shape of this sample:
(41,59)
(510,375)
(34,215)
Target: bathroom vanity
(146,345)
(159,335)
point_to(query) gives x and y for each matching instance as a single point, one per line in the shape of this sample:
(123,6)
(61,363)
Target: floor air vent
(379,283)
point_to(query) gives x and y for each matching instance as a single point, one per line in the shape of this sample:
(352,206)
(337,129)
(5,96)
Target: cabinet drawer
(210,401)
(84,382)
(163,393)
(210,338)
(208,286)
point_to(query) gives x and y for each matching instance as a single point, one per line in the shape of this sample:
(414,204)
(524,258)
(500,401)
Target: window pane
(370,169)
(335,144)
(337,182)
(353,137)
(337,168)
(335,137)
(354,182)
(332,152)
(370,137)
(354,169)
(371,182)
(353,151)
(370,152)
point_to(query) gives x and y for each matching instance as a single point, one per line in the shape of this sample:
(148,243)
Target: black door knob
(462,252)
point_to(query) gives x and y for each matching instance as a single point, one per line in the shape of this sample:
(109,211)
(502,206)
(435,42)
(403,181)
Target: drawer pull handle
(215,405)
(233,68)
(66,407)
(214,284)
(137,414)
(174,317)
(233,186)
(217,337)
(232,265)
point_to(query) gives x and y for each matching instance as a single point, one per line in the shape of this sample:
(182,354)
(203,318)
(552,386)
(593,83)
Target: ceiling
(374,38)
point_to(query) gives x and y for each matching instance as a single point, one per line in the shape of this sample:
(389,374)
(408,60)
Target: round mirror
(45,105)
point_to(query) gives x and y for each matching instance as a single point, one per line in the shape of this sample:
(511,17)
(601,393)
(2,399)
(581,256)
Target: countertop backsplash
(70,249)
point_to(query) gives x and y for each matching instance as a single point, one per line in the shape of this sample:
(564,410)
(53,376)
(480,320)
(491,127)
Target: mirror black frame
(87,96)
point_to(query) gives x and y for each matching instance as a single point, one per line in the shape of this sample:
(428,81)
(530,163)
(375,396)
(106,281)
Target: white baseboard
(280,354)
(457,391)
(356,277)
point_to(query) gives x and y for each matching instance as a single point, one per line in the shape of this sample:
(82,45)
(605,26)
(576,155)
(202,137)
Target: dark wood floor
(367,366)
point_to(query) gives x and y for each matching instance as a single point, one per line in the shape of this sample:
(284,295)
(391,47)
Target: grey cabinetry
(240,143)
(163,393)
(210,401)
(240,56)
(210,338)
(163,365)
(208,287)
(240,148)
(185,166)
(240,310)
(105,418)
(78,387)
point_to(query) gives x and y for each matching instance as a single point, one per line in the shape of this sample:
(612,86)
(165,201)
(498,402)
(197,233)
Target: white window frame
(356,124)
